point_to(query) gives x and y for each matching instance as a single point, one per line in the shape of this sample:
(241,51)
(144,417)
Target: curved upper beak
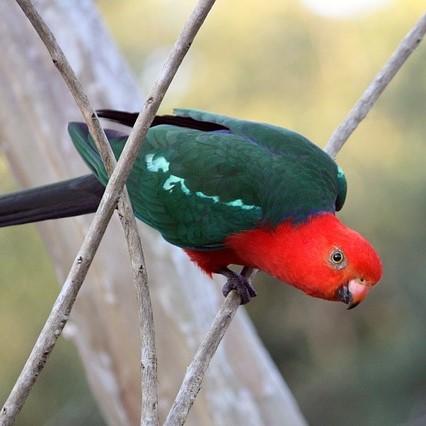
(354,292)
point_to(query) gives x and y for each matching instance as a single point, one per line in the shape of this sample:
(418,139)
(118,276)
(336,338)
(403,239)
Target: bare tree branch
(196,371)
(149,385)
(376,87)
(63,305)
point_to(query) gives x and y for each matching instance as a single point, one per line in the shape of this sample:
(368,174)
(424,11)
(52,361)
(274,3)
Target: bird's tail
(63,199)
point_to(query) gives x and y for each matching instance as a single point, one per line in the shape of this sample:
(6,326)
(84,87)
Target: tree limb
(63,304)
(196,370)
(376,87)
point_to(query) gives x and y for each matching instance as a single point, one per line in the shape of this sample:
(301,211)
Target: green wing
(199,187)
(323,179)
(185,183)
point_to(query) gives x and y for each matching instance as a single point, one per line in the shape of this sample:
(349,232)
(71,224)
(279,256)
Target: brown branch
(376,87)
(198,367)
(63,304)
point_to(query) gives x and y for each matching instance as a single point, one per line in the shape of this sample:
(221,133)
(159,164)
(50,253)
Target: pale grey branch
(197,369)
(149,385)
(63,305)
(376,87)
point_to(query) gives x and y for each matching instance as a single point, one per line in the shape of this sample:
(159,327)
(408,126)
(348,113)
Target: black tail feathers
(63,199)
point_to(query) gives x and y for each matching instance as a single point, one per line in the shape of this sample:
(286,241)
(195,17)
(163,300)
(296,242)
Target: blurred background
(302,65)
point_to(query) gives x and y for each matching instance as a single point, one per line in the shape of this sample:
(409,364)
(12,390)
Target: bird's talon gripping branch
(239,283)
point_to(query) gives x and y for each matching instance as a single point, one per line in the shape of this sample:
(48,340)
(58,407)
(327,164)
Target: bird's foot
(238,282)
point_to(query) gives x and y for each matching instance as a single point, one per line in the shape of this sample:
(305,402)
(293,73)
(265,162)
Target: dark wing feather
(129,119)
(123,117)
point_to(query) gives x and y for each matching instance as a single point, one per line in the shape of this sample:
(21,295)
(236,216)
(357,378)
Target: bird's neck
(283,251)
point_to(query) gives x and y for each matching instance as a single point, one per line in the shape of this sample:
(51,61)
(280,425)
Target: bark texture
(243,387)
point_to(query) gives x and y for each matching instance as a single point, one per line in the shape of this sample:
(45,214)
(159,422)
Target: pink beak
(358,290)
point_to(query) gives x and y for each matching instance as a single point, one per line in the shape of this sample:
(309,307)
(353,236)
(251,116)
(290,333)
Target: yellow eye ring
(337,257)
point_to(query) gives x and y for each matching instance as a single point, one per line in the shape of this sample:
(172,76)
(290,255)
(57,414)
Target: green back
(198,187)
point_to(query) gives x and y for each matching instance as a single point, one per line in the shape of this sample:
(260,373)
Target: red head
(321,256)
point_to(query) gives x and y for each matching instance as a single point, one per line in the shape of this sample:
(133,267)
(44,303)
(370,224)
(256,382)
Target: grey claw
(240,284)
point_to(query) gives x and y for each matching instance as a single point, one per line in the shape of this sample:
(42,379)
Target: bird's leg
(238,282)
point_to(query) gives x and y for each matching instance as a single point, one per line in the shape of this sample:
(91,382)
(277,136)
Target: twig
(376,87)
(149,385)
(63,304)
(198,367)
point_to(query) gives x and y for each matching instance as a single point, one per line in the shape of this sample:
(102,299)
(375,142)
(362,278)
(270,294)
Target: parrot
(228,192)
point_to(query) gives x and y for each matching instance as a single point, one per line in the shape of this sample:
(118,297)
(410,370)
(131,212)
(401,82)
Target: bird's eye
(337,257)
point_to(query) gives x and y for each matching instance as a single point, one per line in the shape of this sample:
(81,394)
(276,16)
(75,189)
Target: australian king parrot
(227,191)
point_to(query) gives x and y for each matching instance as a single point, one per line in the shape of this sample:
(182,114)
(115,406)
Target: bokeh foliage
(275,61)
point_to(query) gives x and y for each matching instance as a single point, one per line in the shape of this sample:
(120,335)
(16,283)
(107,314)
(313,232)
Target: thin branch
(63,304)
(149,381)
(376,87)
(198,367)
